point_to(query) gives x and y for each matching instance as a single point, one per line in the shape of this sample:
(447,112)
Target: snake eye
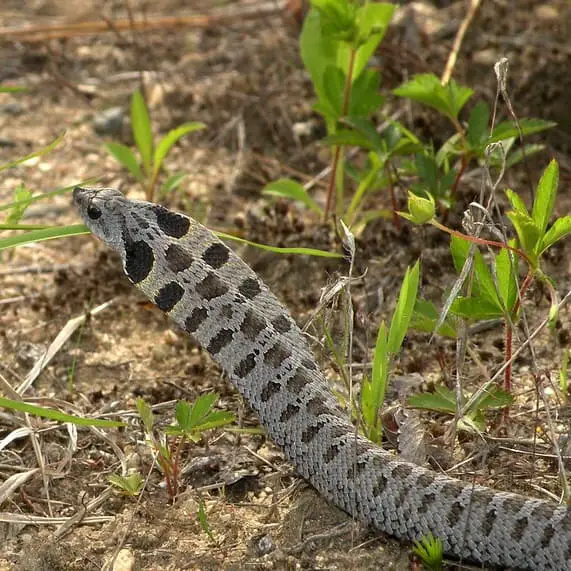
(93,212)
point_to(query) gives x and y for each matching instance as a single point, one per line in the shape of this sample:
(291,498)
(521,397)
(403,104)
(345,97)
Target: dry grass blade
(8,487)
(70,327)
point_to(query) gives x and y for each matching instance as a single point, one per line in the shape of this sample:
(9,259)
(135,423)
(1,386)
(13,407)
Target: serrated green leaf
(287,188)
(443,400)
(170,139)
(125,156)
(201,408)
(365,97)
(349,139)
(545,196)
(494,397)
(475,308)
(141,127)
(561,228)
(183,413)
(478,124)
(425,317)
(426,88)
(427,170)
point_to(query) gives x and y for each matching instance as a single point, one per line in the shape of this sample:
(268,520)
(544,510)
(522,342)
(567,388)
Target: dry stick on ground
(58,31)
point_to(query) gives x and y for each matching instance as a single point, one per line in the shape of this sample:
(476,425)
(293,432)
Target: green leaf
(516,202)
(404,308)
(141,127)
(170,139)
(475,308)
(125,156)
(373,392)
(506,273)
(12,89)
(521,153)
(22,199)
(365,96)
(287,188)
(426,88)
(145,413)
(527,232)
(484,286)
(45,234)
(131,485)
(41,152)
(279,250)
(53,414)
(425,317)
(494,397)
(204,521)
(317,51)
(442,400)
(172,183)
(545,196)
(478,124)
(561,228)
(508,129)
(183,413)
(427,170)
(199,410)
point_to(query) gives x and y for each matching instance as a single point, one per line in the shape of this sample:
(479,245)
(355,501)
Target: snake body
(213,295)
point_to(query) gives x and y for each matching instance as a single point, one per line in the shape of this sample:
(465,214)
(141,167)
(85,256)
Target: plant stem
(463,166)
(481,241)
(337,153)
(394,206)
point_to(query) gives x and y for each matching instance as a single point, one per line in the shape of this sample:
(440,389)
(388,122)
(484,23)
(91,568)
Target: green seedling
(564,375)
(191,421)
(444,400)
(147,168)
(431,552)
(130,485)
(387,347)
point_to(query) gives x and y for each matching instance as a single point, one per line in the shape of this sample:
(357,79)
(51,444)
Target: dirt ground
(244,79)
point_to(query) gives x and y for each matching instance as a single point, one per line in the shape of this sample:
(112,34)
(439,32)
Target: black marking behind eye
(171,223)
(281,324)
(94,212)
(211,286)
(139,260)
(249,288)
(178,258)
(216,255)
(219,341)
(252,325)
(169,295)
(245,366)
(193,321)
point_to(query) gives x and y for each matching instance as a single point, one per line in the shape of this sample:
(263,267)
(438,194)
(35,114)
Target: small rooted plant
(494,290)
(431,552)
(130,485)
(191,421)
(148,168)
(387,347)
(337,40)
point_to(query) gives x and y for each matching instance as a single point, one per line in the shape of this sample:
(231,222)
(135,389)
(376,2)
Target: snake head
(103,211)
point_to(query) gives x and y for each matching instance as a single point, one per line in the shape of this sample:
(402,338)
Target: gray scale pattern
(207,290)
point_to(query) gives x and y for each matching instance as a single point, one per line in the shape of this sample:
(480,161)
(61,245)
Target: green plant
(431,552)
(191,421)
(130,485)
(494,290)
(387,346)
(337,40)
(147,169)
(444,400)
(564,375)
